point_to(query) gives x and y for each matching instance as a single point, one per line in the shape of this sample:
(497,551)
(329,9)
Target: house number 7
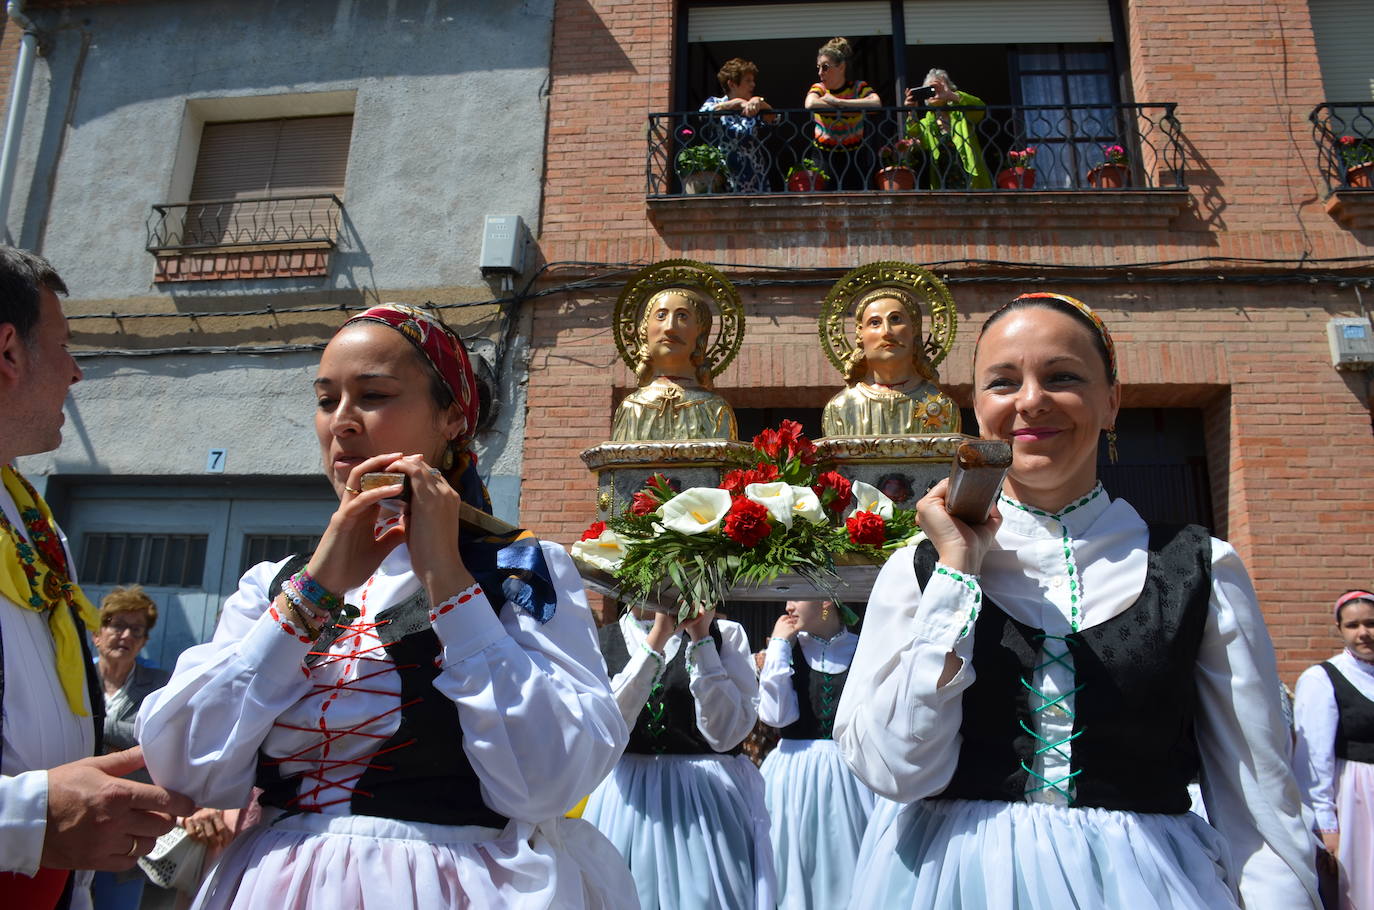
(214,462)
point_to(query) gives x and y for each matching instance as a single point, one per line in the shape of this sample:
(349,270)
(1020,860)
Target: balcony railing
(1344,133)
(1071,144)
(237,223)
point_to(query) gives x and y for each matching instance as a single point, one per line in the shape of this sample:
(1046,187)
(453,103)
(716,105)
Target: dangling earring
(825,610)
(446,462)
(1111,444)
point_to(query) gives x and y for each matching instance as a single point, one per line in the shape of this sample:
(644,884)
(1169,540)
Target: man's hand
(97,820)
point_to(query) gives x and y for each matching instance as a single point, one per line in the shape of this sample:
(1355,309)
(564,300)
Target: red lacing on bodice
(349,646)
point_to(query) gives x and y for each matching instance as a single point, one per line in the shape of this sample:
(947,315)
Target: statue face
(887,333)
(672,327)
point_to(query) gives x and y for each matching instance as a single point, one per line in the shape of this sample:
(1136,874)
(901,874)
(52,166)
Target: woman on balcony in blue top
(1036,692)
(736,134)
(839,134)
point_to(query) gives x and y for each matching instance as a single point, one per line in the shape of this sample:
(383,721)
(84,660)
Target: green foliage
(808,164)
(696,159)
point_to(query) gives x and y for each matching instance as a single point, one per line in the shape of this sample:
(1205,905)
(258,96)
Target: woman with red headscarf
(419,702)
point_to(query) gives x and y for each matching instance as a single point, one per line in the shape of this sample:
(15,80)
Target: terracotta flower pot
(1361,175)
(807,182)
(699,182)
(1109,176)
(1016,178)
(895,178)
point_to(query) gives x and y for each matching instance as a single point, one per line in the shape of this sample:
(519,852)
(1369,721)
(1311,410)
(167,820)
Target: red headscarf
(441,347)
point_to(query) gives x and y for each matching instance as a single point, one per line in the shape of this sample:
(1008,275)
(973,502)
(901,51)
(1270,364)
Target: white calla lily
(806,504)
(776,497)
(696,510)
(868,498)
(604,552)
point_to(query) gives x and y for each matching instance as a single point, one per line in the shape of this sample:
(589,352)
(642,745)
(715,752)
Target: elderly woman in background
(950,138)
(839,102)
(1334,713)
(743,154)
(421,699)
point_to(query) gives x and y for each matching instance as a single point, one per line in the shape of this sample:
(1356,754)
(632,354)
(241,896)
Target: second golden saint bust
(892,388)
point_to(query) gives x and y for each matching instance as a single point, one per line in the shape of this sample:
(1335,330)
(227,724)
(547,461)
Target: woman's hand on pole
(961,546)
(348,552)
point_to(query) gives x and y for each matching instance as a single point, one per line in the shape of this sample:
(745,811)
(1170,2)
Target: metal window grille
(271,547)
(153,560)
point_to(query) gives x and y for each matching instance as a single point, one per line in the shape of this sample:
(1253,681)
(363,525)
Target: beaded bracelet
(294,613)
(314,592)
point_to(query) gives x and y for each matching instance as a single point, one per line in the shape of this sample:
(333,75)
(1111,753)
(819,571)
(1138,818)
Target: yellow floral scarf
(34,574)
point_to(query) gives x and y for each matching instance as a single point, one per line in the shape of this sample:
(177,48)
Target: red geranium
(867,528)
(596,529)
(643,504)
(737,480)
(833,490)
(747,522)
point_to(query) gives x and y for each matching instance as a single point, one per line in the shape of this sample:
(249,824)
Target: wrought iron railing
(1344,133)
(1072,144)
(225,223)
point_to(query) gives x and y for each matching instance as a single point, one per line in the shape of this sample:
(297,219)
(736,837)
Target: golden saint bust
(673,356)
(892,383)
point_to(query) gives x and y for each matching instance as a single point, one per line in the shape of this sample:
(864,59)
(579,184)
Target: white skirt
(332,862)
(1028,856)
(819,811)
(693,828)
(1355,815)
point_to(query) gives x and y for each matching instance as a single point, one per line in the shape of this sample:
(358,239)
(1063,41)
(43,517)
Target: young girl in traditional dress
(1334,714)
(817,807)
(420,702)
(684,805)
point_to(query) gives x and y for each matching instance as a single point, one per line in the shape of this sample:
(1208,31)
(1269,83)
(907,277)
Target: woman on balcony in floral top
(736,134)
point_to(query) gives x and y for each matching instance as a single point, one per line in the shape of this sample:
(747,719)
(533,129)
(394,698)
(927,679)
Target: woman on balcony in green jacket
(950,138)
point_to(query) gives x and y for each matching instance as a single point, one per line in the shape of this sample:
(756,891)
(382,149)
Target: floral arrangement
(1356,150)
(901,153)
(697,159)
(1114,154)
(808,164)
(776,515)
(1023,157)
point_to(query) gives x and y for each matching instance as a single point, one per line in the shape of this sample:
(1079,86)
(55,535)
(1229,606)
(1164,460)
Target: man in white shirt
(61,808)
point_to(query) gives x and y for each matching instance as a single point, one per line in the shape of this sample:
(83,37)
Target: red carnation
(747,522)
(833,490)
(737,480)
(867,528)
(595,530)
(643,503)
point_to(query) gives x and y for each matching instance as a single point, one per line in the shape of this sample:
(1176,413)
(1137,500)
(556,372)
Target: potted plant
(899,163)
(1020,176)
(807,176)
(1113,173)
(1358,154)
(702,169)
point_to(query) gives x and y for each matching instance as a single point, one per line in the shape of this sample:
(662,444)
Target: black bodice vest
(818,695)
(1355,718)
(667,724)
(1134,745)
(420,774)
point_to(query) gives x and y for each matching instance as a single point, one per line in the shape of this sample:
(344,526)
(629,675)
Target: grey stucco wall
(449,126)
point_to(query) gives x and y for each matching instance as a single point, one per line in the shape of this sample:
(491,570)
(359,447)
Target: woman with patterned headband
(1334,713)
(419,701)
(1036,692)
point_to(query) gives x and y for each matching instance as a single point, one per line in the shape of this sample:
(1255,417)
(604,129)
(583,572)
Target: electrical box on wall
(503,245)
(1352,343)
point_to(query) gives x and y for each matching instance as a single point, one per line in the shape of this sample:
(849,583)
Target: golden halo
(728,322)
(940,318)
